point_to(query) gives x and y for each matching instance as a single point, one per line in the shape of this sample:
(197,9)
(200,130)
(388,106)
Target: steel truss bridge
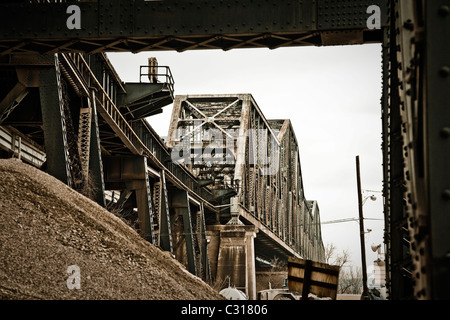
(66,110)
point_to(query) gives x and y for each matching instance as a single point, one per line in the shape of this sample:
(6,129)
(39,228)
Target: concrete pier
(232,256)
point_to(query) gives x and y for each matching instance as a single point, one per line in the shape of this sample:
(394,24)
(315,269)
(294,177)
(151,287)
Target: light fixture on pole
(377,248)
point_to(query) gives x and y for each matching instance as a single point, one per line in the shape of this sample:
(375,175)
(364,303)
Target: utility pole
(365,294)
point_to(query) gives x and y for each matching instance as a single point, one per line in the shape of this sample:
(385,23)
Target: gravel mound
(58,244)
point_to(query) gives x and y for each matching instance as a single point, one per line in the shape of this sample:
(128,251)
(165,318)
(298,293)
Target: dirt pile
(48,230)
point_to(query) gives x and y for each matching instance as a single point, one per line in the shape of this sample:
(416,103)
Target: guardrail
(155,73)
(20,148)
(137,141)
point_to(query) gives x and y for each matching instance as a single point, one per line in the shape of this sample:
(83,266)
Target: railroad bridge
(64,109)
(71,115)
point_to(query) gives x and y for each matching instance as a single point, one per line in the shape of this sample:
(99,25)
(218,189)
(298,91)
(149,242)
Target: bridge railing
(158,74)
(138,138)
(264,167)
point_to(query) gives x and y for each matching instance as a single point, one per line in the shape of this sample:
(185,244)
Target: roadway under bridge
(62,100)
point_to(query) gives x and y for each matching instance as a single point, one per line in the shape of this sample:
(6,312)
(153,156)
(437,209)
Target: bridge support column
(204,257)
(131,173)
(251,266)
(144,207)
(53,118)
(179,201)
(95,157)
(232,256)
(165,230)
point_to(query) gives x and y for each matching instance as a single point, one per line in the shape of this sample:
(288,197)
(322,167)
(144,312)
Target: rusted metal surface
(139,25)
(250,164)
(417,150)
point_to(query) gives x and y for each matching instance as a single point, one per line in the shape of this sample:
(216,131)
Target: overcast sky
(332,96)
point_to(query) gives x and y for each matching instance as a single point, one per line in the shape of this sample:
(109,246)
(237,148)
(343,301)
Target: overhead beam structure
(138,25)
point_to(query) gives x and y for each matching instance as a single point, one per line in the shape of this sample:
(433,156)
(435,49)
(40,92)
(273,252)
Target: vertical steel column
(437,82)
(53,118)
(144,205)
(179,201)
(242,147)
(95,156)
(165,232)
(400,286)
(291,224)
(204,246)
(385,147)
(298,229)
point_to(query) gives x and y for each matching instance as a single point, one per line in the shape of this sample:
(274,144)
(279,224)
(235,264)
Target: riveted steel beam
(96,175)
(204,259)
(165,235)
(140,25)
(179,202)
(53,117)
(437,84)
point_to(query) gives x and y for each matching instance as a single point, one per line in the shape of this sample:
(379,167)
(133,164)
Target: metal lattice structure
(252,167)
(84,138)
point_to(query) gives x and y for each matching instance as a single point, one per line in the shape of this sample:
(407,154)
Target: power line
(347,220)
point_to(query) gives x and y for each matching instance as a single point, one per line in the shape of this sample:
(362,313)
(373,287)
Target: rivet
(409,25)
(445,132)
(444,10)
(445,71)
(446,195)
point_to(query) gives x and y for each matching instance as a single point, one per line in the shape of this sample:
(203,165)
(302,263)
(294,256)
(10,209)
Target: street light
(371,197)
(365,294)
(377,248)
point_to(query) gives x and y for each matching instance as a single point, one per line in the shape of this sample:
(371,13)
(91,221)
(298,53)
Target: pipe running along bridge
(227,175)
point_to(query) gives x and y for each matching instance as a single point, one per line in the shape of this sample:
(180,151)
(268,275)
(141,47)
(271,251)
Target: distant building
(378,277)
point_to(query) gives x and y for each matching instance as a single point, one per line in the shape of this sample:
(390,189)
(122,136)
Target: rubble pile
(57,244)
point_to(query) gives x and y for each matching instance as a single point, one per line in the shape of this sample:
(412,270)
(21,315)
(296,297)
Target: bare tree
(350,279)
(335,258)
(342,258)
(330,251)
(278,272)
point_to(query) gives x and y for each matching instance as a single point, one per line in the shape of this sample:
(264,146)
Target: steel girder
(138,25)
(54,122)
(417,150)
(252,165)
(179,202)
(437,144)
